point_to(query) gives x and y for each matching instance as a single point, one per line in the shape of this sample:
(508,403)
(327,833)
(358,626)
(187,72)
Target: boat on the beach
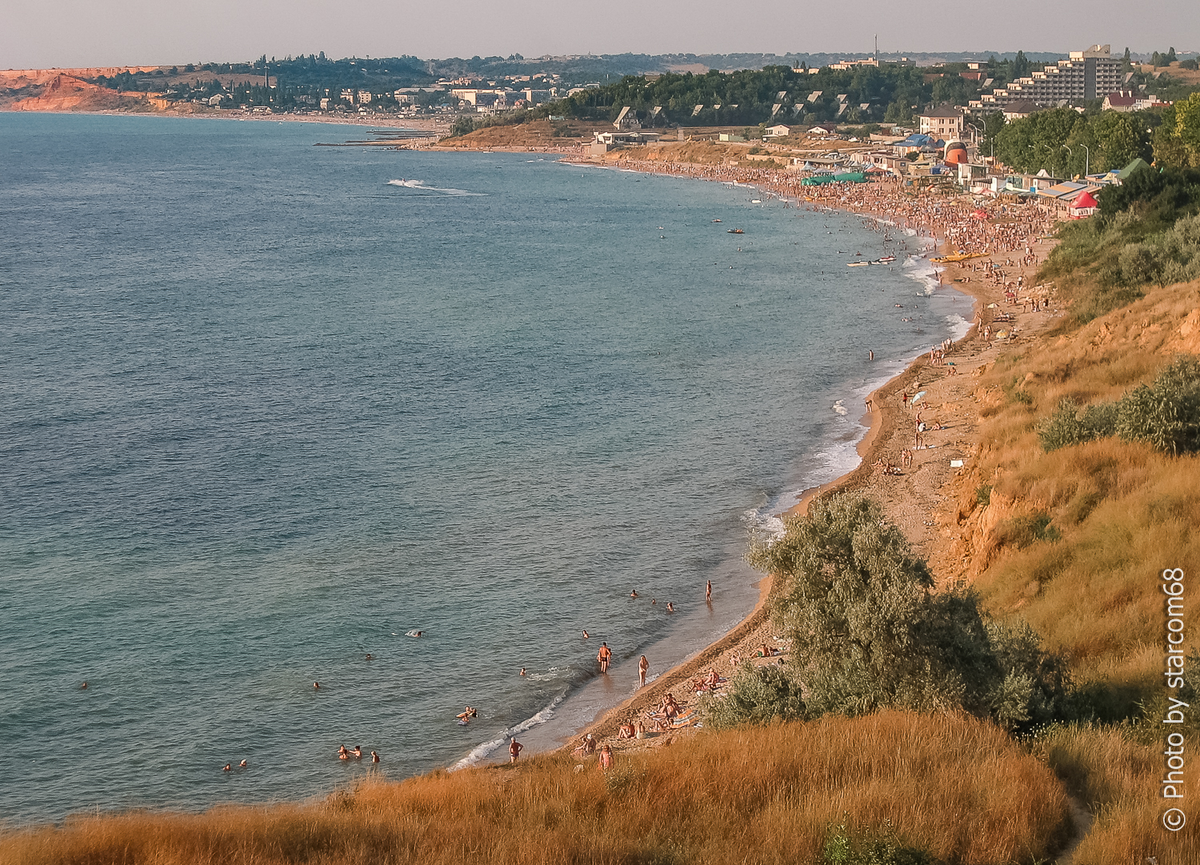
(887,259)
(959,256)
(857,263)
(735,231)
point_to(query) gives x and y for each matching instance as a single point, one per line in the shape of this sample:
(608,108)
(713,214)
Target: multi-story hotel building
(1090,74)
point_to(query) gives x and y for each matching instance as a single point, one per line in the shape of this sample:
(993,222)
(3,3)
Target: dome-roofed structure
(956,153)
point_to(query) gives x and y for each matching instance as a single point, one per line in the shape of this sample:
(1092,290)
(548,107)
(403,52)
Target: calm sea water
(266,407)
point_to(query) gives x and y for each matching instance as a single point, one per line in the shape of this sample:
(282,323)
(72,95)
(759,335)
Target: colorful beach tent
(1083,205)
(821,179)
(1137,165)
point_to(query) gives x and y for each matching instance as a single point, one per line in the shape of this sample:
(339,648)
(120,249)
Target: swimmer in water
(522,671)
(368,656)
(670,607)
(358,752)
(242,765)
(228,768)
(374,757)
(316,686)
(585,634)
(83,687)
(633,594)
(708,590)
(467,714)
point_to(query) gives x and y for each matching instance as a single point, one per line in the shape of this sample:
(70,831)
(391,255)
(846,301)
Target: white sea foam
(420,186)
(923,271)
(958,326)
(480,752)
(839,407)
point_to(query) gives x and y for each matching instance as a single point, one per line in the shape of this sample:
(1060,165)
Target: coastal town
(824,135)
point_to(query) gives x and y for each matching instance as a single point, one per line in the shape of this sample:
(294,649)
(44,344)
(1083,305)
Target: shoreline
(885,424)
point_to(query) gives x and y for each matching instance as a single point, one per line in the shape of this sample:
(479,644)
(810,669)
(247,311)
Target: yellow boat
(958,256)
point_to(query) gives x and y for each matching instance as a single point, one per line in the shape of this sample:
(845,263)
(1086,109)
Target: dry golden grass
(1119,779)
(953,786)
(1118,512)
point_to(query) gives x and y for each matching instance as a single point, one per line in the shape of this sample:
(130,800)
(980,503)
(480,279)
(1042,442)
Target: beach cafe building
(1062,196)
(1083,206)
(603,142)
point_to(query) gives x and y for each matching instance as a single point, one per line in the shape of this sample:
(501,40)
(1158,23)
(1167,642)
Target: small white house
(779,130)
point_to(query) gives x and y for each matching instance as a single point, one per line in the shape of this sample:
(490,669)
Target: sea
(269,409)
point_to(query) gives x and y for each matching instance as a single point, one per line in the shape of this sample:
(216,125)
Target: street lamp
(1069,150)
(979,129)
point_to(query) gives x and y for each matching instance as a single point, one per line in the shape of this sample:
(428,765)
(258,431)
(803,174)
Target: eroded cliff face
(65,93)
(64,90)
(981,508)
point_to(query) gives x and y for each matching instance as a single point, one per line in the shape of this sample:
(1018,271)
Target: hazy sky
(83,33)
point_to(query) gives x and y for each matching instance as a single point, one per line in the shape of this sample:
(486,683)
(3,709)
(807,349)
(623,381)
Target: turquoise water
(267,407)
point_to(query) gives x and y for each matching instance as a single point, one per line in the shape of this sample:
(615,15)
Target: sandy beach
(917,481)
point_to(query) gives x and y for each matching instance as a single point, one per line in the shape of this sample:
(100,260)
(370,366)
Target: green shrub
(1140,264)
(840,849)
(1035,686)
(1063,428)
(1165,414)
(755,695)
(983,495)
(1068,427)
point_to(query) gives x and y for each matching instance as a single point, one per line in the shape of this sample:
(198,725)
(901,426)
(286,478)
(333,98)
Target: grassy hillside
(910,788)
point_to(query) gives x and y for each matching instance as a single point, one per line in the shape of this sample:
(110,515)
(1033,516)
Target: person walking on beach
(643,667)
(606,758)
(514,750)
(602,656)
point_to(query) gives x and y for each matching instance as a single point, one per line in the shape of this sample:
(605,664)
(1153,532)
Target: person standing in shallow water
(643,667)
(603,657)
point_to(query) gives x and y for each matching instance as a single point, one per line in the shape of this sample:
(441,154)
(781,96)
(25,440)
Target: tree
(1116,140)
(1020,66)
(1177,140)
(464,125)
(1036,141)
(868,632)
